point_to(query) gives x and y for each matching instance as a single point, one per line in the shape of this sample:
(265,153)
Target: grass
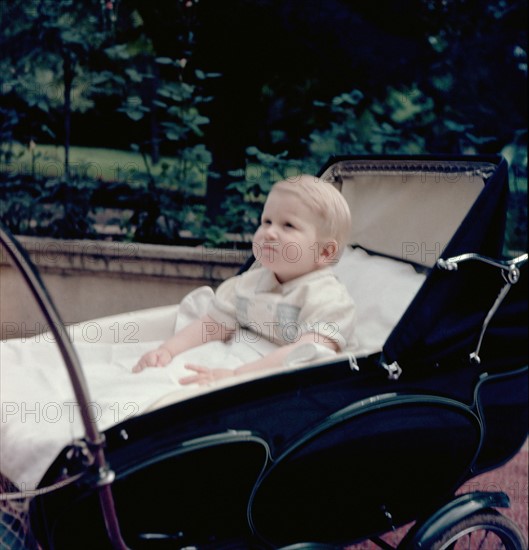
(89,162)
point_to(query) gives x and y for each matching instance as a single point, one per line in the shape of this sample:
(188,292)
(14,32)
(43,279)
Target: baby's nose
(270,231)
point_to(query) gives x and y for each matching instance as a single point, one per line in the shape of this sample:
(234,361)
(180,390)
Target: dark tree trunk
(68,79)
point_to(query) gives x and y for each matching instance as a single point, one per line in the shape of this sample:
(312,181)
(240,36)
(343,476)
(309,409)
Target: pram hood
(426,209)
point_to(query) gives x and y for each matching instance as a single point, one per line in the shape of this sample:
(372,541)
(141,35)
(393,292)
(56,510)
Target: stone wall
(91,279)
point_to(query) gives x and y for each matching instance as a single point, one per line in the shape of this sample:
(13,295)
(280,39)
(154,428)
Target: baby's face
(287,241)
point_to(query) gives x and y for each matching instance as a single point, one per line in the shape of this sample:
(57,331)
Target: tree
(47,45)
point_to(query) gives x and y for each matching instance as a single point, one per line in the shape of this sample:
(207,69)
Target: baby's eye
(289,225)
(265,221)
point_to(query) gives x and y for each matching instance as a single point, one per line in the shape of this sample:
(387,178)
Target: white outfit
(313,303)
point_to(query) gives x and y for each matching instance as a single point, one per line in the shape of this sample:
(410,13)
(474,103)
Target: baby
(291,295)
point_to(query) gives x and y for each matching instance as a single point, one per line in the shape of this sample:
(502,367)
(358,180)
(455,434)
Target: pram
(343,449)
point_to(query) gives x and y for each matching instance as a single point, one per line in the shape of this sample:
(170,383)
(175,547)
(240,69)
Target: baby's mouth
(268,249)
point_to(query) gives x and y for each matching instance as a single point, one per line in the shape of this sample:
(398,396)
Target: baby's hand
(205,375)
(156,358)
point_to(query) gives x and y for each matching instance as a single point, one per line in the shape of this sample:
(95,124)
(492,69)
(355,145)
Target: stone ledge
(92,279)
(69,257)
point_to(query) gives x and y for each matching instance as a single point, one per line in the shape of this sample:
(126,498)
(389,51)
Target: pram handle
(510,268)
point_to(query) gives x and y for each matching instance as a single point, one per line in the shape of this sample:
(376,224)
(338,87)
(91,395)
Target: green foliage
(71,209)
(352,127)
(56,72)
(49,207)
(46,39)
(9,119)
(516,154)
(402,123)
(166,92)
(168,209)
(405,121)
(246,196)
(87,56)
(516,231)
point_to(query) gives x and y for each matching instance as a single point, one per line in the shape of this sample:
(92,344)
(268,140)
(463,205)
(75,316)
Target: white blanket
(39,414)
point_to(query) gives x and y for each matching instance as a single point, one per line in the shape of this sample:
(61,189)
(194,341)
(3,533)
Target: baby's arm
(205,375)
(195,334)
(277,357)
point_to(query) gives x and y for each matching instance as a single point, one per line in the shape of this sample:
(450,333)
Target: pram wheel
(487,529)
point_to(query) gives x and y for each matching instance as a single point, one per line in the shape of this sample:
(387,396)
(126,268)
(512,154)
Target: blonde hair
(330,208)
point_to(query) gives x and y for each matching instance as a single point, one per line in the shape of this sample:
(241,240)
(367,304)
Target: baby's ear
(329,252)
